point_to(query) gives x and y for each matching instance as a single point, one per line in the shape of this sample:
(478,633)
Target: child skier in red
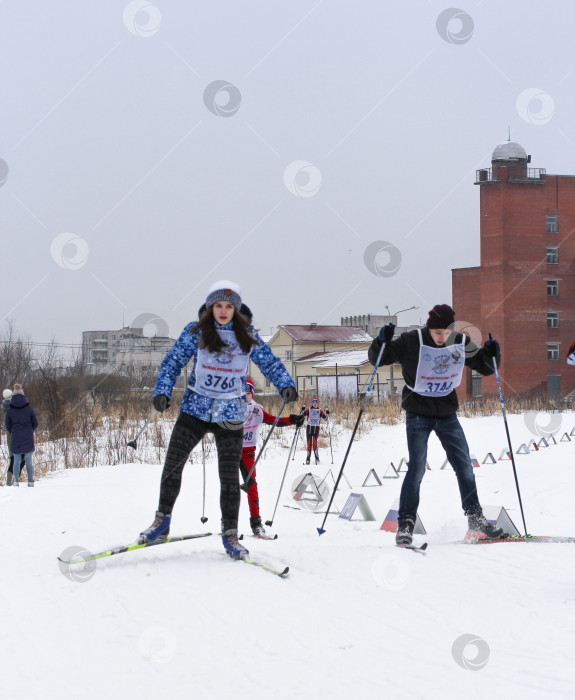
(314,413)
(255,416)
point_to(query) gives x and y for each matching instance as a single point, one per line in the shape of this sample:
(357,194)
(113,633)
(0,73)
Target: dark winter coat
(405,351)
(5,405)
(21,422)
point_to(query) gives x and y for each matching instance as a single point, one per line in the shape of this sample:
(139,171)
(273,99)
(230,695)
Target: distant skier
(571,355)
(314,414)
(255,416)
(220,345)
(432,361)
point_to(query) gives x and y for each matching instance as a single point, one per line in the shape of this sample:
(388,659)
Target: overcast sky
(320,154)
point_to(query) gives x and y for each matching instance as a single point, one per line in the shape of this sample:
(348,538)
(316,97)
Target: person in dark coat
(7,395)
(21,422)
(432,361)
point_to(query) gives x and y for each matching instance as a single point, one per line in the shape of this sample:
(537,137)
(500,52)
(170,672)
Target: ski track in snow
(356,615)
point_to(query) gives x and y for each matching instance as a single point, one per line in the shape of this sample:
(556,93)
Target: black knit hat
(441,316)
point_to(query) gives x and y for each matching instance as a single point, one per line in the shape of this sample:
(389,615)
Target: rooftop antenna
(508,133)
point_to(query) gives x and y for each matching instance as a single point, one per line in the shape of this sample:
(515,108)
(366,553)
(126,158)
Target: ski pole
(269,523)
(246,483)
(203,518)
(296,433)
(320,529)
(330,446)
(133,443)
(509,440)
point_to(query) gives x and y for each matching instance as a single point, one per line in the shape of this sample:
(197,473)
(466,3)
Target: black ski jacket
(405,351)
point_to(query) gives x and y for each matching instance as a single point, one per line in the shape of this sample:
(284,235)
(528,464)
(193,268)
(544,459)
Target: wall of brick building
(507,294)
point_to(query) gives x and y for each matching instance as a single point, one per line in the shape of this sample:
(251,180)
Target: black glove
(161,402)
(327,411)
(296,420)
(386,333)
(491,348)
(289,394)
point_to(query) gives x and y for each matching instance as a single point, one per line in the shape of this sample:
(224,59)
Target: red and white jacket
(253,423)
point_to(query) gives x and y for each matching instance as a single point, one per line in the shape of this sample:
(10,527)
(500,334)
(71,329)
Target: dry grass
(89,436)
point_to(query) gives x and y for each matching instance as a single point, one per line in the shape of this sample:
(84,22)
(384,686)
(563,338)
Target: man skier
(432,361)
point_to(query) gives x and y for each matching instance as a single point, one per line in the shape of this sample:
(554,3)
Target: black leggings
(11,465)
(186,434)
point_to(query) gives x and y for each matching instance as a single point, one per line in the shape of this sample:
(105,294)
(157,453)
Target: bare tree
(16,358)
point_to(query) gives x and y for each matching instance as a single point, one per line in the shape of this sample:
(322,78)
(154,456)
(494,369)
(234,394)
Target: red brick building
(523,292)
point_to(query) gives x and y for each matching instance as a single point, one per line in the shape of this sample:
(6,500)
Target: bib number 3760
(219,382)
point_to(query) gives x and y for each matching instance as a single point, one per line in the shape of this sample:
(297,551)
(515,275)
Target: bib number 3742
(433,387)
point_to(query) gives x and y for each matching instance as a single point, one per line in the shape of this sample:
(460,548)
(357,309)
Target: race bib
(313,416)
(219,375)
(439,370)
(252,424)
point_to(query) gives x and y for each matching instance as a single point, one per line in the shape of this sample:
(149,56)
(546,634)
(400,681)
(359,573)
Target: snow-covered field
(357,616)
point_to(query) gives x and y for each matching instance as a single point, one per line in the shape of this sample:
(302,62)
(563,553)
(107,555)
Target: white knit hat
(7,393)
(224,290)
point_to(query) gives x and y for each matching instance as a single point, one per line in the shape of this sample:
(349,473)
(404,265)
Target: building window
(552,319)
(288,354)
(552,351)
(552,288)
(552,224)
(552,256)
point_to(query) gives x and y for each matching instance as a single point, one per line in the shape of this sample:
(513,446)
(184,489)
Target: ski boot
(256,525)
(9,479)
(404,534)
(308,459)
(477,522)
(232,545)
(158,530)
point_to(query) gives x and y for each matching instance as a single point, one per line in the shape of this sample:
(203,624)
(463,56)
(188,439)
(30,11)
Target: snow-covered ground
(357,616)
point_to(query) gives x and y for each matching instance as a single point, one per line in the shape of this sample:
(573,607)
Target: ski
(248,560)
(265,567)
(520,538)
(414,547)
(131,547)
(265,537)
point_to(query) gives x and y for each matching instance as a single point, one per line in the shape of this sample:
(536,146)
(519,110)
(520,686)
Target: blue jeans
(29,470)
(452,438)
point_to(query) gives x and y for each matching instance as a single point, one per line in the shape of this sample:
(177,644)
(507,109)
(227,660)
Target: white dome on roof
(509,150)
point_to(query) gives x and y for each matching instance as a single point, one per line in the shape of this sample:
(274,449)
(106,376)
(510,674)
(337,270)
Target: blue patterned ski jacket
(203,407)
